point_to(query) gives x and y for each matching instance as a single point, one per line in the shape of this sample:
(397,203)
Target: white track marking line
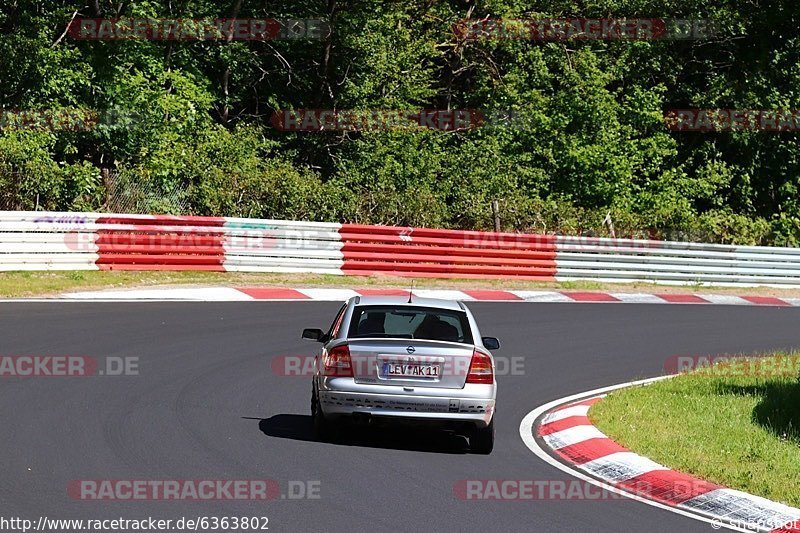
(542,296)
(230,294)
(724,299)
(639,298)
(203,294)
(444,294)
(330,295)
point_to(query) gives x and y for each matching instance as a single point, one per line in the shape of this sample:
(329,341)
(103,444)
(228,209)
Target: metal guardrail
(95,241)
(92,241)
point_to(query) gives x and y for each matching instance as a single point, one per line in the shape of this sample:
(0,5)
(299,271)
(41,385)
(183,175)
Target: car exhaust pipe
(362,419)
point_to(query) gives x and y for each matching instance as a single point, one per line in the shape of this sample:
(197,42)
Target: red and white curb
(237,294)
(561,434)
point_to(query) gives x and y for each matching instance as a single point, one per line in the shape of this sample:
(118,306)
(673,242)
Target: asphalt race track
(207,405)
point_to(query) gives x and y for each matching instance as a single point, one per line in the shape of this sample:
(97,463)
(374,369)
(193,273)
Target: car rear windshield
(410,323)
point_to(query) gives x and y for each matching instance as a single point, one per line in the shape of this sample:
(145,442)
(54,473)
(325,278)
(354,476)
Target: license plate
(410,370)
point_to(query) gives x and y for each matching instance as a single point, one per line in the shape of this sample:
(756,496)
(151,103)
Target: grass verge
(735,424)
(27,284)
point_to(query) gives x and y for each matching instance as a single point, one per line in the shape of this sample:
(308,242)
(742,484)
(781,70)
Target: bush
(29,177)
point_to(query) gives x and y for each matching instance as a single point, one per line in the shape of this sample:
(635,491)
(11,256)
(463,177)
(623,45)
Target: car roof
(416,301)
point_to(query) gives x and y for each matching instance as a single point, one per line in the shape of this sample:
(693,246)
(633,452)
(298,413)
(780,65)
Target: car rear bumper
(453,409)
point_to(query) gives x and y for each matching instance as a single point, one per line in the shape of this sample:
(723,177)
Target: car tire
(323,430)
(482,439)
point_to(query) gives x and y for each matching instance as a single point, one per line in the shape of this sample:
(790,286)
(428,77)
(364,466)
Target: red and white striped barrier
(423,252)
(89,241)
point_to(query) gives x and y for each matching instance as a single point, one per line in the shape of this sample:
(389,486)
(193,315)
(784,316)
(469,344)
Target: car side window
(337,323)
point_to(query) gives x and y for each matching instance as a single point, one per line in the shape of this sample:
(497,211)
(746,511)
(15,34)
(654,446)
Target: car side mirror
(491,343)
(313,334)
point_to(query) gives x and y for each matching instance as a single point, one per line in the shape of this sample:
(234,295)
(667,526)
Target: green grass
(27,284)
(725,424)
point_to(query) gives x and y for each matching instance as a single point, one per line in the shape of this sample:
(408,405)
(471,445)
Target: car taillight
(480,369)
(338,363)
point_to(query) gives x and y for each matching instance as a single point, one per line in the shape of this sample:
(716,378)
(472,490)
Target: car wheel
(322,427)
(482,440)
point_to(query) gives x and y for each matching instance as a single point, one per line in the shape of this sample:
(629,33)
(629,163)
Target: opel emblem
(411,349)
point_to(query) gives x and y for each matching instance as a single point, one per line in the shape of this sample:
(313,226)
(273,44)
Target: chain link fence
(126,195)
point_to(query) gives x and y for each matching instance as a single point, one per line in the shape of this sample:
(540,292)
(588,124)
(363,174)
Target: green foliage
(82,186)
(29,176)
(188,122)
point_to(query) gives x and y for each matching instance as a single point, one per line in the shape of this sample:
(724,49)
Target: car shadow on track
(299,427)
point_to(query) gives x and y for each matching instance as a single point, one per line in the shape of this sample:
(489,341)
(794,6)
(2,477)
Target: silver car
(405,359)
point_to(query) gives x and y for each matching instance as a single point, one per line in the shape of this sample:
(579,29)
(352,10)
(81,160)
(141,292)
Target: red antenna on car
(411,291)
